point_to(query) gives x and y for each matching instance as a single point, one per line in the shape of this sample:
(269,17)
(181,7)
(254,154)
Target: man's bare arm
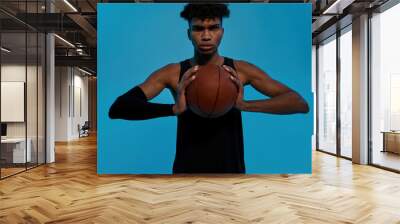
(283,100)
(159,80)
(134,105)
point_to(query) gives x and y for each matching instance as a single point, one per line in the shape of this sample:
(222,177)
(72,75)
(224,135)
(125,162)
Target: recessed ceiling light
(64,40)
(84,71)
(5,50)
(70,5)
(337,7)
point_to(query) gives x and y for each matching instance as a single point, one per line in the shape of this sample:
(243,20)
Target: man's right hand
(180,104)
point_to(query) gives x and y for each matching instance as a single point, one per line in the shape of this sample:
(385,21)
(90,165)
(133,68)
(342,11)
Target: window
(385,88)
(346,92)
(327,95)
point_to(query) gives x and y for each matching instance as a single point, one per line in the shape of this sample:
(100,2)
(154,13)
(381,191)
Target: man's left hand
(235,78)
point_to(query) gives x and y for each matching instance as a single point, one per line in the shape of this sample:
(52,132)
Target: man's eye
(197,28)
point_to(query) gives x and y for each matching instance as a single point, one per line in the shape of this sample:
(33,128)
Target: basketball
(212,94)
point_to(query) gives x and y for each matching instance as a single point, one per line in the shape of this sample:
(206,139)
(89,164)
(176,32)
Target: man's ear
(188,34)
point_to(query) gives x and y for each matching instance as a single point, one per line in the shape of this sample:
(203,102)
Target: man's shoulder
(175,68)
(169,70)
(248,71)
(169,73)
(171,67)
(242,65)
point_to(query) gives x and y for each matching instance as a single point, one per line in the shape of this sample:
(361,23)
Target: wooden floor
(5,172)
(387,159)
(70,191)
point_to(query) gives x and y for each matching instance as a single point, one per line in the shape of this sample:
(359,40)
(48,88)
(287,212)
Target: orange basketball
(212,93)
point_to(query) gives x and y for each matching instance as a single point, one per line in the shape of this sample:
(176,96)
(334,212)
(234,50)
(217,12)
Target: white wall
(61,103)
(80,84)
(12,73)
(71,93)
(33,127)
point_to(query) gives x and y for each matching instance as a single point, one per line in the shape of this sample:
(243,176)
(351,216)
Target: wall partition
(22,79)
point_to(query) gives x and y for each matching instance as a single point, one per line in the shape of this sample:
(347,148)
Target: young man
(206,145)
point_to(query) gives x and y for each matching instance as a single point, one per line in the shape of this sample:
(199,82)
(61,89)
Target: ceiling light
(84,71)
(337,7)
(329,9)
(70,5)
(5,50)
(65,41)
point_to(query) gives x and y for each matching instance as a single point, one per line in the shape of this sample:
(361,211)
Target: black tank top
(209,145)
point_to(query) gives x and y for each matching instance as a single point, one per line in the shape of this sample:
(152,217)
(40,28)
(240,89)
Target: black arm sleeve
(133,105)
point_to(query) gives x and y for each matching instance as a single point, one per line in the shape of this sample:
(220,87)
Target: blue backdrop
(136,39)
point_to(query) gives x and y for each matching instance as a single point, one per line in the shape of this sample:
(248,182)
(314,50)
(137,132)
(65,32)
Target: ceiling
(76,22)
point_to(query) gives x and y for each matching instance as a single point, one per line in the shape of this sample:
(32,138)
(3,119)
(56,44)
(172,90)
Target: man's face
(206,34)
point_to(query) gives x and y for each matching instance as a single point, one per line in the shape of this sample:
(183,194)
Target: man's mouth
(206,47)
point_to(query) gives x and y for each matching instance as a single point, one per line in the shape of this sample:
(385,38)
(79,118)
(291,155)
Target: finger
(188,81)
(238,84)
(227,68)
(236,81)
(231,70)
(190,72)
(194,69)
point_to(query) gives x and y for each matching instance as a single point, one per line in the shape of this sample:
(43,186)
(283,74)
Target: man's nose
(206,35)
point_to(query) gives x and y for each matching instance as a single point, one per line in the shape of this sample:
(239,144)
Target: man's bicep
(269,86)
(152,87)
(157,81)
(262,82)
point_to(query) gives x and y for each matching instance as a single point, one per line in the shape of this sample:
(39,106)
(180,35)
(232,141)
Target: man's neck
(200,59)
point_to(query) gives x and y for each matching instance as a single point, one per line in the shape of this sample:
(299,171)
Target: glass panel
(314,78)
(23,87)
(31,84)
(31,101)
(346,94)
(41,98)
(327,96)
(13,87)
(386,89)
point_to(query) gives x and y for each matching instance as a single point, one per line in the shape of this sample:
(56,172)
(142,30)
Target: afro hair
(204,11)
